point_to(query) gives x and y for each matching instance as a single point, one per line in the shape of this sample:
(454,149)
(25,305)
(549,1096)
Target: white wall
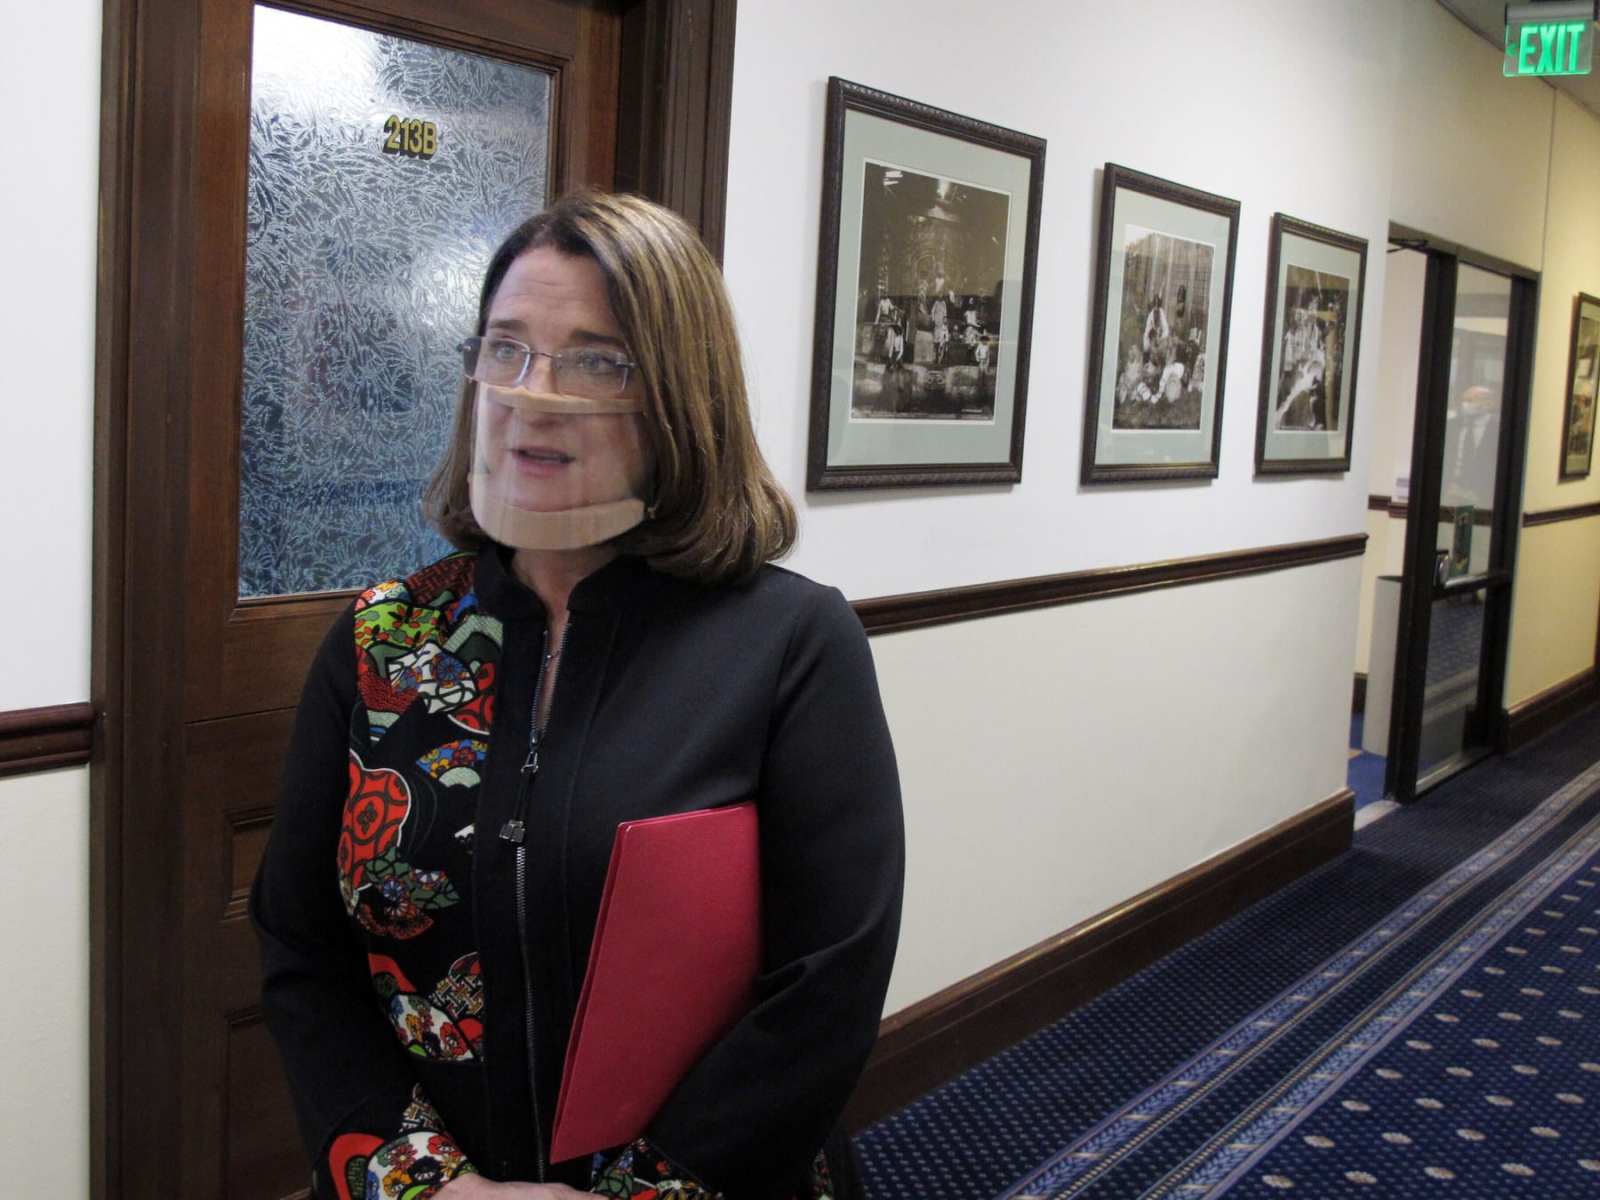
(44,892)
(1390,427)
(1060,762)
(1057,762)
(1348,116)
(50,91)
(1062,72)
(1471,149)
(1557,593)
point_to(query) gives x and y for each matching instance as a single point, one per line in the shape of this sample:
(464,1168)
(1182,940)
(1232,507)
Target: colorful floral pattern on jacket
(384,893)
(421,641)
(413,1166)
(641,1172)
(424,640)
(445,1024)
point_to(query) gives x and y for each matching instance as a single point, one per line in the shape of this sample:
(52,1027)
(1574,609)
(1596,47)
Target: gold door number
(411,136)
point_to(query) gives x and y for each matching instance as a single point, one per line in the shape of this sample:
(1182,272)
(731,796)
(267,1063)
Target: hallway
(1419,1012)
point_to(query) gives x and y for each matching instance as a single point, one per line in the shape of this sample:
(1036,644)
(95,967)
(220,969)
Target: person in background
(1156,331)
(610,643)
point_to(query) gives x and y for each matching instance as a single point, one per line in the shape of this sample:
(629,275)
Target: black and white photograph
(1158,347)
(1310,348)
(1166,286)
(928,298)
(1583,387)
(1311,362)
(929,246)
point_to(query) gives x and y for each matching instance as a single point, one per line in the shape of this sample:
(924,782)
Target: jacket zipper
(513,831)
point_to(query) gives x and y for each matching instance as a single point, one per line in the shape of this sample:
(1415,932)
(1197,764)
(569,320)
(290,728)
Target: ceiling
(1487,18)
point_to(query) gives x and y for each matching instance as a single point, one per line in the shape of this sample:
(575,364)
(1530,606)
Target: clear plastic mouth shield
(560,459)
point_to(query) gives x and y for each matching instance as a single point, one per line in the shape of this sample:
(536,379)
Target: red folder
(672,967)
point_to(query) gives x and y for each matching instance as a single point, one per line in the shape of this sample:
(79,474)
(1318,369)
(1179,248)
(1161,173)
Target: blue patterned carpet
(1420,1017)
(1364,775)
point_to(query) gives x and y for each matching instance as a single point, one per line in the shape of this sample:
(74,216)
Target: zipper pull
(530,765)
(512,832)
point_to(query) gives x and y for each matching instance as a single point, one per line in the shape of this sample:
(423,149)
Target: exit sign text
(1549,47)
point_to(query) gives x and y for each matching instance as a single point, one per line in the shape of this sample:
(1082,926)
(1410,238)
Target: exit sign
(1549,39)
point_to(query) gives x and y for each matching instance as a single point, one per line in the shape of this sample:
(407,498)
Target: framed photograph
(1583,375)
(929,248)
(1310,349)
(1159,344)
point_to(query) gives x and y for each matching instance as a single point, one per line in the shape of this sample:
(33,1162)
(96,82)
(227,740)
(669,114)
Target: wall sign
(1549,39)
(411,136)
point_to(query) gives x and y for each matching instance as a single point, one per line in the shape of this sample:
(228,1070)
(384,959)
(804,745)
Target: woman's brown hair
(717,513)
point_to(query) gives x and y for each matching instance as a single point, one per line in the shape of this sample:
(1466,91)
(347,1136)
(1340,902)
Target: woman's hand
(476,1187)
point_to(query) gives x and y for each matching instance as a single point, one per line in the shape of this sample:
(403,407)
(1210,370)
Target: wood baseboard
(1538,715)
(937,1038)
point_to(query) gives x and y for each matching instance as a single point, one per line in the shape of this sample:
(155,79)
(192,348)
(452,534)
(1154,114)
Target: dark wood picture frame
(1272,336)
(1117,179)
(845,98)
(1570,399)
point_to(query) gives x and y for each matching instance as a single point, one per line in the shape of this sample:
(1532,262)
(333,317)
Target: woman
(610,646)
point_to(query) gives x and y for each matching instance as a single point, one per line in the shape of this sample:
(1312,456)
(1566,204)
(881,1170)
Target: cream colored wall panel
(50,93)
(44,891)
(1571,266)
(1471,149)
(1373,564)
(1396,391)
(1395,407)
(1557,606)
(1057,762)
(1558,568)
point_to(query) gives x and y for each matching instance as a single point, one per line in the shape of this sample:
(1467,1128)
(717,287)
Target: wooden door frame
(671,143)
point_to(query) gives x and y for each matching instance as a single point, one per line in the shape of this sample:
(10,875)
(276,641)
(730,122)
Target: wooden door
(198,662)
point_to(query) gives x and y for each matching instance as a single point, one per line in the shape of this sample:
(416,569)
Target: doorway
(1474,370)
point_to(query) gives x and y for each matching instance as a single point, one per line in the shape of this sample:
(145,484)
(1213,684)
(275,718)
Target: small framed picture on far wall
(1583,376)
(1310,350)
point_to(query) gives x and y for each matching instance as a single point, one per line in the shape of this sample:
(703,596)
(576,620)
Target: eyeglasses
(502,362)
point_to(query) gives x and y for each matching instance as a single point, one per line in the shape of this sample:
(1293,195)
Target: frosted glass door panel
(382,174)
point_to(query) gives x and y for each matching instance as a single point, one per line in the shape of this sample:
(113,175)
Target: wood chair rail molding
(1546,516)
(44,739)
(1570,512)
(916,610)
(38,739)
(1400,510)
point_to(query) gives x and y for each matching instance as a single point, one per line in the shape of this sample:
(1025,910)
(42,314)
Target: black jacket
(387,899)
